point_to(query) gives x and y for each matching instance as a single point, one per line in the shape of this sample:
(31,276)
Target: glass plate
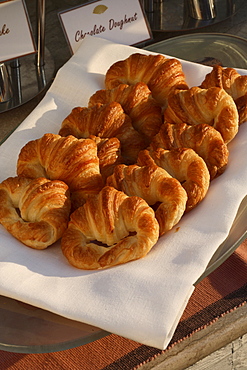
(205,48)
(28,329)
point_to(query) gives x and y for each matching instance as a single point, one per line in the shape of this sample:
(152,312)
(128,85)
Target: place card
(16,39)
(119,21)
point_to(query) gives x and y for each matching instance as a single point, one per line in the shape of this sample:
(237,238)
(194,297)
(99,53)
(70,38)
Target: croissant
(233,83)
(105,121)
(203,139)
(156,187)
(109,229)
(109,154)
(184,165)
(67,159)
(137,103)
(228,79)
(44,208)
(212,106)
(160,74)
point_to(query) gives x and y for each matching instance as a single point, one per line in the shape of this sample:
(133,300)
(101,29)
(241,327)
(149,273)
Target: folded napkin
(142,300)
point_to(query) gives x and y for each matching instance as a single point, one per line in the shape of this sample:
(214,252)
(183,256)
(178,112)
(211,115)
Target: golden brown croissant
(202,138)
(160,74)
(105,121)
(184,165)
(34,211)
(109,154)
(137,103)
(109,229)
(228,79)
(156,187)
(233,83)
(67,159)
(212,106)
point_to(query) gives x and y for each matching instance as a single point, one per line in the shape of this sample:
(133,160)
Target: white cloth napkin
(141,300)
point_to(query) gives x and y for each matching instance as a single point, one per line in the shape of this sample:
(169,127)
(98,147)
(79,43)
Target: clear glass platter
(28,329)
(205,48)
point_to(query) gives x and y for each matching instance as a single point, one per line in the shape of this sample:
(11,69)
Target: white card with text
(119,21)
(16,38)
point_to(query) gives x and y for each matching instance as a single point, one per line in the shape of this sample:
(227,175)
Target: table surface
(57,46)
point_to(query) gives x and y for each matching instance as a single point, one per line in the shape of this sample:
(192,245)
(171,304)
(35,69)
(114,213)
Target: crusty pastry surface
(202,138)
(228,79)
(156,187)
(105,121)
(241,104)
(109,229)
(109,154)
(233,83)
(185,165)
(160,74)
(34,211)
(137,103)
(212,106)
(67,159)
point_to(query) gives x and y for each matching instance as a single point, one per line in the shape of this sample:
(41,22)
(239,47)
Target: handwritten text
(4,30)
(112,24)
(122,22)
(80,35)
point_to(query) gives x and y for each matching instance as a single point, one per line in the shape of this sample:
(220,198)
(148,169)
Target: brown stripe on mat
(144,354)
(219,293)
